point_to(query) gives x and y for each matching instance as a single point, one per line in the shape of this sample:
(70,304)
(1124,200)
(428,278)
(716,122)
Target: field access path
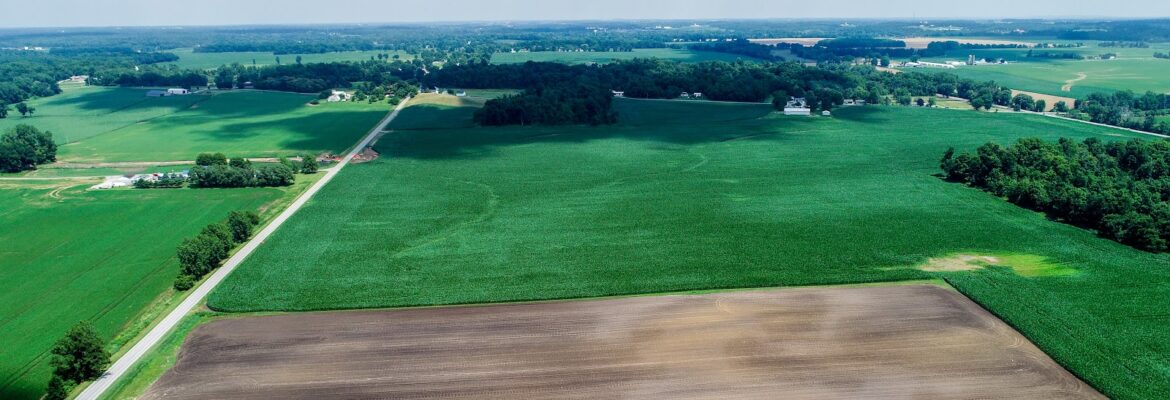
(160,331)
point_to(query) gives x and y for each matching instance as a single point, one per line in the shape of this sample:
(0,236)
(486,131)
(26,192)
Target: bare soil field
(910,341)
(1051,100)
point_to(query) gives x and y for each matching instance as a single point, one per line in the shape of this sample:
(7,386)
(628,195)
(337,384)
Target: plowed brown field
(915,341)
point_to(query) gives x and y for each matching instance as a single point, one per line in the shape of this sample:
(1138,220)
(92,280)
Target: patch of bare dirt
(917,341)
(366,155)
(1050,100)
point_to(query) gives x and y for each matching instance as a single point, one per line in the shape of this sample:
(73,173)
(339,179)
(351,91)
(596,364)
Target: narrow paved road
(159,332)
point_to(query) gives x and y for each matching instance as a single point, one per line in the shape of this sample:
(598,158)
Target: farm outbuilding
(177,92)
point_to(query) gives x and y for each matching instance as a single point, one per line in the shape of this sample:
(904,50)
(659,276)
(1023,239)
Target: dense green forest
(1120,189)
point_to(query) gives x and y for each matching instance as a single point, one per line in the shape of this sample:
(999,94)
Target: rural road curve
(159,332)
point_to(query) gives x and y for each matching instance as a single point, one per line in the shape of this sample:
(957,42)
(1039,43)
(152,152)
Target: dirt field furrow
(917,341)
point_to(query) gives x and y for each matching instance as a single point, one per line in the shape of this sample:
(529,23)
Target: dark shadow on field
(436,116)
(118,99)
(865,115)
(19,387)
(314,131)
(667,122)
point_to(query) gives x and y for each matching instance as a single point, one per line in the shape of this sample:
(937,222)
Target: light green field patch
(1026,265)
(188,58)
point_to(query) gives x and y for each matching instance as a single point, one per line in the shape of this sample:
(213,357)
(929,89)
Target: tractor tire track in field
(489,210)
(205,98)
(703,160)
(159,332)
(1068,85)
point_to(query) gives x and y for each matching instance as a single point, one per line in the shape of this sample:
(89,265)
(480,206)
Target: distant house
(338,95)
(848,102)
(248,85)
(797,106)
(618,93)
(155,93)
(697,95)
(684,95)
(853,102)
(177,92)
(79,78)
(461,93)
(826,113)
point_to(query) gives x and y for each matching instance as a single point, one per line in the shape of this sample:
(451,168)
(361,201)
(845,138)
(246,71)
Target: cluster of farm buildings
(118,181)
(971,60)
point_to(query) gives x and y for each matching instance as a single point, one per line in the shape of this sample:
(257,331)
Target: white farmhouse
(177,92)
(797,106)
(338,95)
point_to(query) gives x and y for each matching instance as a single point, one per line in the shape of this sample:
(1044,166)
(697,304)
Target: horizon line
(570,20)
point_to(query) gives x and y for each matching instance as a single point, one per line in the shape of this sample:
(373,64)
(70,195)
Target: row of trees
(24,147)
(216,171)
(203,253)
(1120,189)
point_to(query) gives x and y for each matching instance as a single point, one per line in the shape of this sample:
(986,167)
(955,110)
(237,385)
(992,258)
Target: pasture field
(599,57)
(237,123)
(1134,69)
(82,112)
(696,195)
(108,256)
(190,59)
(849,342)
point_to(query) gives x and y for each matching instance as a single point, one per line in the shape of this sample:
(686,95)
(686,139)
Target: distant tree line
(1067,55)
(1134,45)
(24,147)
(1125,109)
(28,74)
(741,47)
(202,254)
(1119,189)
(581,101)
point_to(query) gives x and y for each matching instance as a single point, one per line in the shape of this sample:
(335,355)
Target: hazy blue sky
(234,12)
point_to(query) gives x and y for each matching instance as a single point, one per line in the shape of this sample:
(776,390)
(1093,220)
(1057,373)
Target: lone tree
(80,355)
(24,109)
(3,110)
(309,164)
